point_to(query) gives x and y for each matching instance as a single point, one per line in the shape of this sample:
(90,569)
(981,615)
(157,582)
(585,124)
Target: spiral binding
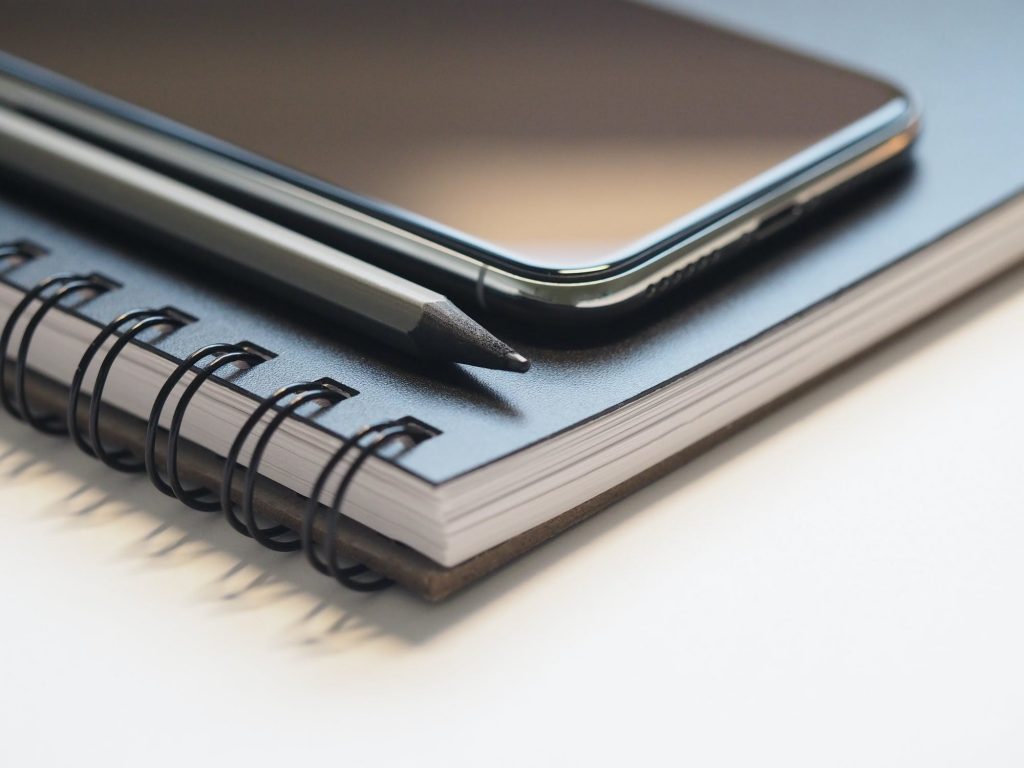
(204,363)
(326,562)
(65,285)
(144,319)
(302,393)
(223,355)
(16,252)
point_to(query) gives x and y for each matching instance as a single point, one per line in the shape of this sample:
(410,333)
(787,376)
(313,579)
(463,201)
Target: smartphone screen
(561,133)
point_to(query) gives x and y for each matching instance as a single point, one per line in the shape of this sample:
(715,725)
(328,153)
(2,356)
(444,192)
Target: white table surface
(838,585)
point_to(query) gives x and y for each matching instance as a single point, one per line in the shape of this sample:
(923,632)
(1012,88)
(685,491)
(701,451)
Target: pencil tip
(516,362)
(445,332)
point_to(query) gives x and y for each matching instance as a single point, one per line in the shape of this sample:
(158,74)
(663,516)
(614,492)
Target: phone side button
(777,221)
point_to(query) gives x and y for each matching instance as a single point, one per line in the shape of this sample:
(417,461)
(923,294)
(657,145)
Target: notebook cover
(965,165)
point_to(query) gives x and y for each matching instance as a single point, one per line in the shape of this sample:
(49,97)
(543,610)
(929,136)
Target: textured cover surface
(966,164)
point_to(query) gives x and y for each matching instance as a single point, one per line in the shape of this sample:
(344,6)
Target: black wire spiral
(66,285)
(367,442)
(277,537)
(325,559)
(144,319)
(14,253)
(223,354)
(11,250)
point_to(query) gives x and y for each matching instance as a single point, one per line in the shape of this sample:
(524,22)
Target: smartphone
(554,158)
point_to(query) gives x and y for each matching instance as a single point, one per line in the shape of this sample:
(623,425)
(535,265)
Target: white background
(840,584)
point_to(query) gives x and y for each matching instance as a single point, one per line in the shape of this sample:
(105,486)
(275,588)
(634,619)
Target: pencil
(332,283)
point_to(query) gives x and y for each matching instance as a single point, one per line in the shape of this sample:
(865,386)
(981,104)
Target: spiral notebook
(381,469)
(429,477)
